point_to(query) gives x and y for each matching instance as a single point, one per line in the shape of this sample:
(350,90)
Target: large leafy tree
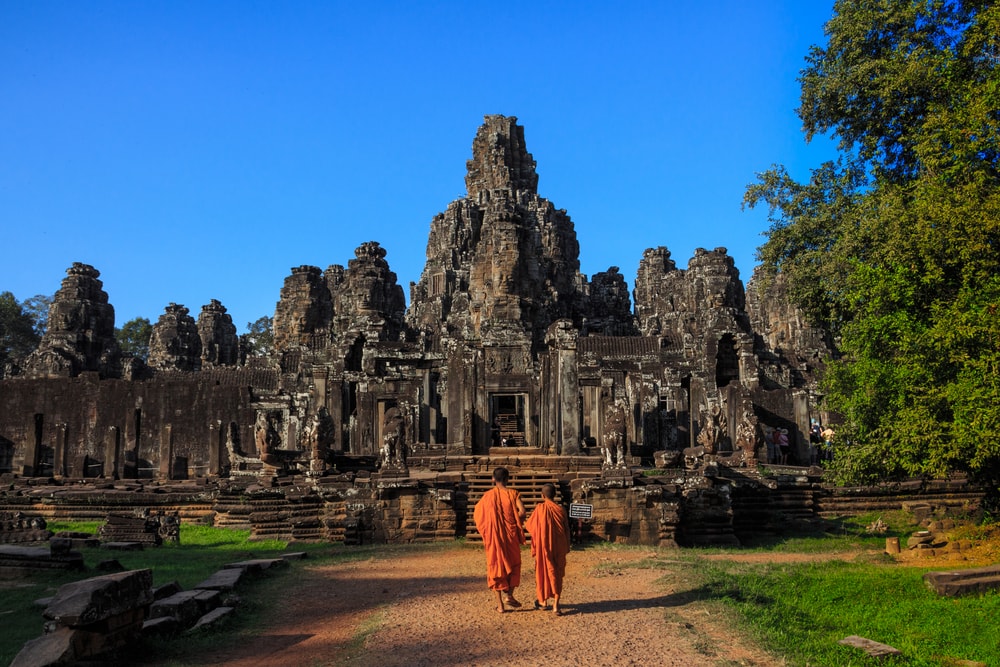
(258,341)
(18,337)
(895,247)
(134,337)
(37,307)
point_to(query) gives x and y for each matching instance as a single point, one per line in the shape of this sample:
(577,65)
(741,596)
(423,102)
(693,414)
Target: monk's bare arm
(521,512)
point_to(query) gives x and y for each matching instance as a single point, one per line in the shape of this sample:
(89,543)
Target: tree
(17,334)
(37,307)
(895,248)
(134,336)
(259,339)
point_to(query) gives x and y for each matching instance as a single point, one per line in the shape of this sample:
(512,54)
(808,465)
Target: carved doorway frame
(511,408)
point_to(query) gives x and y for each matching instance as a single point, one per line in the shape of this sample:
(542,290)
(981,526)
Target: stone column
(561,337)
(800,438)
(335,406)
(112,451)
(216,441)
(460,404)
(60,451)
(29,466)
(166,452)
(569,402)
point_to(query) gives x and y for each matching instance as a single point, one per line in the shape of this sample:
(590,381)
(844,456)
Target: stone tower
(175,343)
(81,330)
(220,346)
(502,262)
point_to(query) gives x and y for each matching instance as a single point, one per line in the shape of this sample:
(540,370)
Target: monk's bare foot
(557,611)
(501,609)
(512,602)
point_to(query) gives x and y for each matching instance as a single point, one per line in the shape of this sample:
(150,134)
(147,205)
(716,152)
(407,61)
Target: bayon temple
(377,421)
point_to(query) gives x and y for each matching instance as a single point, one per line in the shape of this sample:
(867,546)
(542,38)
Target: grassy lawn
(800,610)
(202,551)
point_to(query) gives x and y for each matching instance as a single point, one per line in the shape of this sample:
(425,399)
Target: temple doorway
(507,423)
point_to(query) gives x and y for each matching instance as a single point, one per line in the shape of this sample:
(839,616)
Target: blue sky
(199,150)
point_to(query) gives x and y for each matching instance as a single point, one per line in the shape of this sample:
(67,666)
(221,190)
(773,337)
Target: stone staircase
(281,518)
(528,483)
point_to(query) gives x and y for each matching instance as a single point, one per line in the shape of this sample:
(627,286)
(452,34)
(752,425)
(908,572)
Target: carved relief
(506,360)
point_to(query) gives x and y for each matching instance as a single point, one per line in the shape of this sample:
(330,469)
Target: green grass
(801,610)
(202,551)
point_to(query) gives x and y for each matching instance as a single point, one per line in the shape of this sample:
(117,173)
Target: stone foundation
(713,506)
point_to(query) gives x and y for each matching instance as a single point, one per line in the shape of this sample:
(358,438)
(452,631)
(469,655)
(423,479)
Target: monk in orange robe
(499,516)
(549,530)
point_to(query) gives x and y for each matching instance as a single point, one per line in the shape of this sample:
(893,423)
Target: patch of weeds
(365,630)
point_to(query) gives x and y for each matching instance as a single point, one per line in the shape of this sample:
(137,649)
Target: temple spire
(500,160)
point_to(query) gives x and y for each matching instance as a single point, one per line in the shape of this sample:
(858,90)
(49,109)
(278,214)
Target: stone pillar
(569,402)
(112,452)
(564,393)
(29,466)
(335,406)
(428,412)
(460,404)
(696,400)
(216,442)
(60,451)
(166,452)
(291,437)
(800,439)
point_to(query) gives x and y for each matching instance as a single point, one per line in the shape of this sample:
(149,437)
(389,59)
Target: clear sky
(199,150)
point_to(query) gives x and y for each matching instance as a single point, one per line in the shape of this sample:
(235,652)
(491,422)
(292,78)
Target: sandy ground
(433,608)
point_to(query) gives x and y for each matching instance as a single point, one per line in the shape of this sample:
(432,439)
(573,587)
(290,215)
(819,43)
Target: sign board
(580,511)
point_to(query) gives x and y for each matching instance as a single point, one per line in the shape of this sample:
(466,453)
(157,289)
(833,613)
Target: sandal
(509,599)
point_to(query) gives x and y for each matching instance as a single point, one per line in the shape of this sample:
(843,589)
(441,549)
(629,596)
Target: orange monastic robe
(548,526)
(498,522)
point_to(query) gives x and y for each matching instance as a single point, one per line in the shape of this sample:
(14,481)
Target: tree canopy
(258,341)
(895,247)
(18,337)
(134,337)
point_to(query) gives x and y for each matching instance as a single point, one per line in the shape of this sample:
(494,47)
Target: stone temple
(374,420)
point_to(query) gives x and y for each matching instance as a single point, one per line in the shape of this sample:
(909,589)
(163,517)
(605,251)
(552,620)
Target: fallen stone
(60,546)
(53,648)
(186,606)
(164,626)
(211,618)
(17,560)
(258,564)
(871,647)
(223,580)
(295,555)
(100,598)
(953,583)
(919,538)
(166,590)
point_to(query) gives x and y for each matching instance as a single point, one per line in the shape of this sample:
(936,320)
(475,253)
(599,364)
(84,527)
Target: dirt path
(432,608)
